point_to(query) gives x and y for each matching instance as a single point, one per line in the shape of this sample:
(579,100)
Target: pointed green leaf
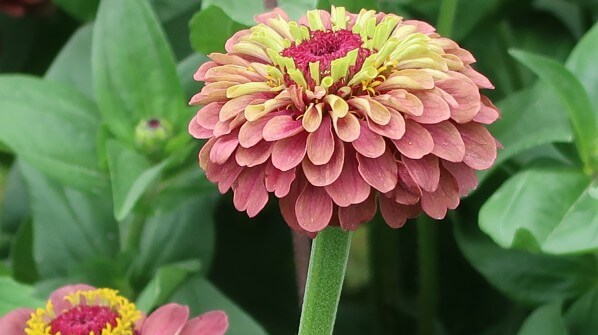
(239,11)
(53,128)
(204,38)
(15,295)
(546,320)
(297,8)
(81,9)
(582,63)
(134,71)
(583,118)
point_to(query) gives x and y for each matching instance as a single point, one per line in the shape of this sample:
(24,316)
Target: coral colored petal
(210,323)
(352,217)
(347,128)
(312,118)
(204,153)
(381,173)
(200,74)
(313,209)
(395,215)
(421,26)
(425,171)
(287,207)
(395,129)
(435,204)
(369,144)
(237,105)
(197,131)
(407,191)
(464,175)
(223,148)
(479,79)
(448,143)
(488,112)
(14,323)
(436,109)
(255,155)
(280,127)
(278,181)
(289,152)
(403,101)
(467,94)
(251,132)
(166,320)
(223,174)
(349,188)
(57,297)
(323,175)
(207,117)
(417,141)
(250,192)
(480,146)
(320,144)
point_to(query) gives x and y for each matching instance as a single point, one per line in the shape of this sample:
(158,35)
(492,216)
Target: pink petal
(14,323)
(467,94)
(296,95)
(210,323)
(224,59)
(480,146)
(265,17)
(404,101)
(250,192)
(425,171)
(223,148)
(395,214)
(287,207)
(407,191)
(436,109)
(488,112)
(166,320)
(369,144)
(204,153)
(347,128)
(313,209)
(381,173)
(280,127)
(237,105)
(421,26)
(349,188)
(228,46)
(445,197)
(352,217)
(289,152)
(223,174)
(448,143)
(198,131)
(323,175)
(255,155)
(464,175)
(479,79)
(251,132)
(57,297)
(320,144)
(395,129)
(417,141)
(200,75)
(278,181)
(207,117)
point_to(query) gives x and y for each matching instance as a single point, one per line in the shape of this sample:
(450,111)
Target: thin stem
(426,240)
(325,276)
(446,17)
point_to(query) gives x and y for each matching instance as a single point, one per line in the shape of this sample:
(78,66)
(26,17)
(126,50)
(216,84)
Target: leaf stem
(327,265)
(446,17)
(426,240)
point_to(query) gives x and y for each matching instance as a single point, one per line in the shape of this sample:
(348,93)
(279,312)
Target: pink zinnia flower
(339,112)
(18,8)
(83,310)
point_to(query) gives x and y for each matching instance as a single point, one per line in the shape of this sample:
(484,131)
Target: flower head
(339,112)
(85,310)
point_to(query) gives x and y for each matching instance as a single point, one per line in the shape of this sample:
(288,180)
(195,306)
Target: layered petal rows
(339,113)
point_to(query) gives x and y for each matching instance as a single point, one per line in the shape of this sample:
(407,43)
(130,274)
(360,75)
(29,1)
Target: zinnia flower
(86,310)
(338,112)
(18,8)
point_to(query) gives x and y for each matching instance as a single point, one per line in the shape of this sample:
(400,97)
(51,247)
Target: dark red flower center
(82,320)
(153,124)
(324,47)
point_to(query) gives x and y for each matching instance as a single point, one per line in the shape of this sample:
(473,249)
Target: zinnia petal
(210,323)
(166,320)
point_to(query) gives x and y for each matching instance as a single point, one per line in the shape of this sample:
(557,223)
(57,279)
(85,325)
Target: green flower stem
(426,241)
(446,17)
(325,276)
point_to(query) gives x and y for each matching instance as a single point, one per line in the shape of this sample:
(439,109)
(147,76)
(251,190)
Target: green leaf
(72,65)
(53,128)
(298,8)
(582,62)
(581,316)
(23,264)
(168,9)
(201,296)
(546,320)
(82,9)
(14,208)
(15,295)
(169,236)
(204,38)
(134,70)
(70,227)
(527,277)
(131,175)
(575,99)
(239,11)
(165,282)
(551,209)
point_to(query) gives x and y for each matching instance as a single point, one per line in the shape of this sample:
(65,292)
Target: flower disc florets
(337,112)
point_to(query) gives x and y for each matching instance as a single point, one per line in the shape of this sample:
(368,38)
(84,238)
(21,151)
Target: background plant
(89,199)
